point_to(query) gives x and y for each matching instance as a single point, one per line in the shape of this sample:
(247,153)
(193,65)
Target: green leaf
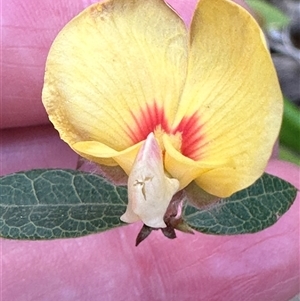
(273,17)
(286,154)
(247,211)
(290,128)
(48,204)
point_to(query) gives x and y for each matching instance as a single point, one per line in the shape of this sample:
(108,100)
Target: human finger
(34,147)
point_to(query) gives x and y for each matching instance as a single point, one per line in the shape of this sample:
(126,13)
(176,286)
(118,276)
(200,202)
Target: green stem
(290,129)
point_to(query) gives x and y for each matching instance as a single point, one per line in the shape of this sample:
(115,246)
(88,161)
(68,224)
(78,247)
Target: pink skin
(107,266)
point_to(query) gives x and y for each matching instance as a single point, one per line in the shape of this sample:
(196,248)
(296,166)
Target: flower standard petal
(110,64)
(149,189)
(233,87)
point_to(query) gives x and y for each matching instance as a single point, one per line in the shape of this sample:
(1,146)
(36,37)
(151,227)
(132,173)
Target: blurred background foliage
(280,21)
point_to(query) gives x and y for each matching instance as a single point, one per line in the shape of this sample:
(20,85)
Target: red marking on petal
(190,129)
(146,121)
(151,117)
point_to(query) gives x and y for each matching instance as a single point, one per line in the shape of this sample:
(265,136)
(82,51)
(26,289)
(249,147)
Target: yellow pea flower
(128,84)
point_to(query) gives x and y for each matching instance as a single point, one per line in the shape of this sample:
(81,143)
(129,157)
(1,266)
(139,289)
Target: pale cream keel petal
(149,189)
